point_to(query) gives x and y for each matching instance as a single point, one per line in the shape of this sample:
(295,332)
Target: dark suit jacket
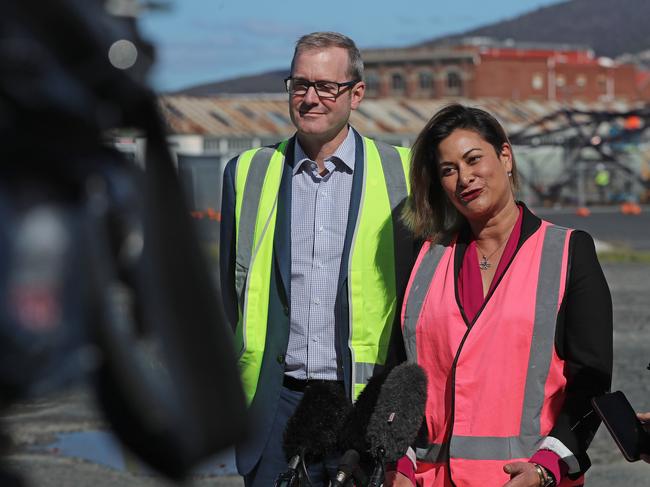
(264,405)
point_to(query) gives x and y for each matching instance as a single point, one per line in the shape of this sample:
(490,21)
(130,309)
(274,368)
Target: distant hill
(610,27)
(268,82)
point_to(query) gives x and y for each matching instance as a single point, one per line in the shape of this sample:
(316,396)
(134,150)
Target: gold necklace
(484,263)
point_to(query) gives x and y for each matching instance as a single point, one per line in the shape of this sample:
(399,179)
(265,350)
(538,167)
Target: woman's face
(473,176)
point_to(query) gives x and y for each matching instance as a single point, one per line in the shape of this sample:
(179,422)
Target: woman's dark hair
(428,212)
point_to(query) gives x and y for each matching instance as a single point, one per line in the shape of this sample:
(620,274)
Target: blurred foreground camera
(101,275)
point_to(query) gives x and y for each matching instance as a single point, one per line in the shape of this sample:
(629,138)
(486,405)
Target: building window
(425,81)
(239,145)
(538,81)
(397,83)
(220,118)
(560,80)
(372,82)
(245,111)
(454,83)
(212,145)
(264,141)
(174,111)
(279,118)
(398,118)
(581,81)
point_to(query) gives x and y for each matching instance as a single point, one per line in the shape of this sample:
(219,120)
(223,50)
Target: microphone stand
(350,473)
(378,473)
(290,478)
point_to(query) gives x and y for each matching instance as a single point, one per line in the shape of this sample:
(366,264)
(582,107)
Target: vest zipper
(470,325)
(453,400)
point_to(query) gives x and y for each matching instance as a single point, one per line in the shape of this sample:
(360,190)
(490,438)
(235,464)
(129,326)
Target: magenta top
(470,285)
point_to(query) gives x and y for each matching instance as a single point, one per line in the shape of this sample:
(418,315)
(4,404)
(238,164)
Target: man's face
(317,117)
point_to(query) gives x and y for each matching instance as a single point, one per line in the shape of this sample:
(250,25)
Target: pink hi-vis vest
(495,388)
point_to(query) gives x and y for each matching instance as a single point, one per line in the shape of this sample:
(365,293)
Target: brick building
(484,68)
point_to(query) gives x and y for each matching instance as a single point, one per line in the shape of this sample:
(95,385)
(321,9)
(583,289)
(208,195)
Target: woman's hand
(645,419)
(396,479)
(522,474)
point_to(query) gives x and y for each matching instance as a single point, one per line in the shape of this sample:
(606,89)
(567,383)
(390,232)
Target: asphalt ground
(606,223)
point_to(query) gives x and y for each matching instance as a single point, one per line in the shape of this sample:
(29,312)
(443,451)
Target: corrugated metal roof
(268,116)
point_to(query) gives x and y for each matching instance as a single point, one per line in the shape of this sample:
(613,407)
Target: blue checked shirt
(319,216)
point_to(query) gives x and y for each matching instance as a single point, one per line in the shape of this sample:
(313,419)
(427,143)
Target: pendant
(484,264)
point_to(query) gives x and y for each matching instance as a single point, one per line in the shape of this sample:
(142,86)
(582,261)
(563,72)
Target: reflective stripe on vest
(541,350)
(376,248)
(257,180)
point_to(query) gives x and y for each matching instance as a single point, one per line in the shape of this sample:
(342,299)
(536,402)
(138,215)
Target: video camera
(101,275)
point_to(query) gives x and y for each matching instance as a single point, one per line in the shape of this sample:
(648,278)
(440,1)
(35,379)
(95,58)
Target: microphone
(290,478)
(397,418)
(349,468)
(352,439)
(313,429)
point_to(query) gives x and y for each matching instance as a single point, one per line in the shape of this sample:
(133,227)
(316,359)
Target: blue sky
(201,41)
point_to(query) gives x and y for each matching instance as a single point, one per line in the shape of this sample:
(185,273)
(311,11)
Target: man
(313,257)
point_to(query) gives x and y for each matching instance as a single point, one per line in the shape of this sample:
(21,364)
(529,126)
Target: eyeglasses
(324,89)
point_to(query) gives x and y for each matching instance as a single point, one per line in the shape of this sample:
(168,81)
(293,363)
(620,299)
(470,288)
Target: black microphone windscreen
(349,462)
(397,418)
(312,431)
(353,433)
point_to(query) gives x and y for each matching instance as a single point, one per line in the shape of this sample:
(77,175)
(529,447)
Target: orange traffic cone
(629,208)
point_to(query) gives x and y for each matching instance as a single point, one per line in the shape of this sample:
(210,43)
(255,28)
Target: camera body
(102,272)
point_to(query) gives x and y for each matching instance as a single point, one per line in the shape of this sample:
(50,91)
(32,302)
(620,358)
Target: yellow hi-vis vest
(372,264)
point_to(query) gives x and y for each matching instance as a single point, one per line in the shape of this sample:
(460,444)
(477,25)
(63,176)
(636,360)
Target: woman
(509,315)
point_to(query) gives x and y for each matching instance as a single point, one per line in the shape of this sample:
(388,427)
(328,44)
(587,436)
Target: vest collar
(344,152)
(529,225)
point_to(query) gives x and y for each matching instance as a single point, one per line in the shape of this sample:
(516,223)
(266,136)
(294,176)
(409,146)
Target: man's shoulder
(387,148)
(254,150)
(381,143)
(268,149)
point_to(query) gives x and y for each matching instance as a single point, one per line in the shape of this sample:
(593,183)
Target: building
(483,68)
(225,126)
(205,132)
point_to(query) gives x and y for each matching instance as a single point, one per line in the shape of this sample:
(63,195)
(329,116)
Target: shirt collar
(344,152)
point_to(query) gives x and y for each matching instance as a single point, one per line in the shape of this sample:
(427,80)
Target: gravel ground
(630,286)
(37,423)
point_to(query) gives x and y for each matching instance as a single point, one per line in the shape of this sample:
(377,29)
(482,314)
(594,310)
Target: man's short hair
(323,40)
